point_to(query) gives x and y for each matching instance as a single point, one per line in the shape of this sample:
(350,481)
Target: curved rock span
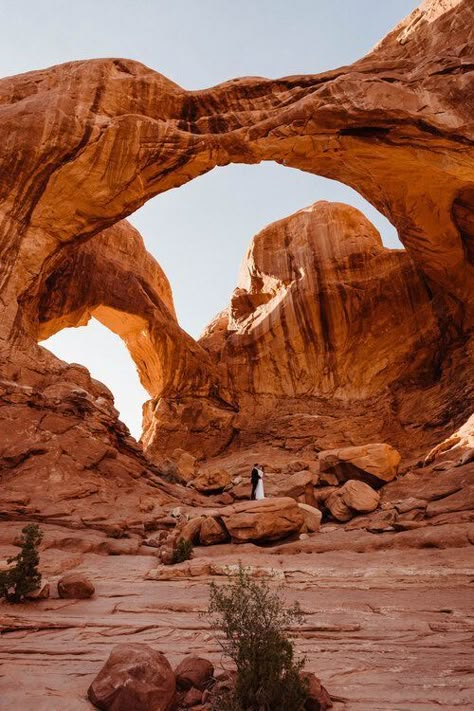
(330,339)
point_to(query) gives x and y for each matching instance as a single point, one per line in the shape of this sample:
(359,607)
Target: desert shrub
(183,551)
(17,582)
(254,623)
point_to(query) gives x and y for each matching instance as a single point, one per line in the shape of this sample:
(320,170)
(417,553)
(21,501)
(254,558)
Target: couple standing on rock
(257,483)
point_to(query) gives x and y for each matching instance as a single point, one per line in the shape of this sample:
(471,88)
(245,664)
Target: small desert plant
(254,620)
(183,551)
(21,580)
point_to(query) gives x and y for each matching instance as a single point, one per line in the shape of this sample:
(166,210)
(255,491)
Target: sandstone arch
(88,142)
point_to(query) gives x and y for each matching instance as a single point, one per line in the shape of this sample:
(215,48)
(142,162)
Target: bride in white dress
(259,493)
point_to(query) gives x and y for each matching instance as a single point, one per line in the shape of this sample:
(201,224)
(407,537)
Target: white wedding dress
(259,493)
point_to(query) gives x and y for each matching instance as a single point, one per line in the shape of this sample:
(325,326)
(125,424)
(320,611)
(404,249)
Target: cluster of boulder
(339,485)
(137,677)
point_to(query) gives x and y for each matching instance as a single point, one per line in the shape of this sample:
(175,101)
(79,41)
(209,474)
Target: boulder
(212,532)
(193,672)
(318,698)
(374,464)
(337,508)
(312,517)
(212,481)
(191,529)
(135,677)
(294,485)
(265,520)
(185,465)
(75,586)
(359,496)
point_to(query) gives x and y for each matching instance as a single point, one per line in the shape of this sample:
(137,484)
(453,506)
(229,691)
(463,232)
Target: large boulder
(191,529)
(75,586)
(212,532)
(299,484)
(264,520)
(312,517)
(374,464)
(210,482)
(193,671)
(352,498)
(181,465)
(337,508)
(359,497)
(135,677)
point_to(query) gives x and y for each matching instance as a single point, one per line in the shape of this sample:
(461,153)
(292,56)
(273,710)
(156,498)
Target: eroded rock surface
(396,125)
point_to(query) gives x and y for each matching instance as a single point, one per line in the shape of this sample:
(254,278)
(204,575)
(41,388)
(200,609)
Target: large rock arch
(86,143)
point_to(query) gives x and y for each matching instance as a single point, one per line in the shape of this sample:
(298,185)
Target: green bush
(254,620)
(16,583)
(183,551)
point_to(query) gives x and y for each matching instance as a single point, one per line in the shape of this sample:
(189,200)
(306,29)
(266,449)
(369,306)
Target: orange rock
(212,532)
(359,496)
(135,677)
(375,464)
(212,481)
(75,585)
(264,520)
(312,517)
(191,529)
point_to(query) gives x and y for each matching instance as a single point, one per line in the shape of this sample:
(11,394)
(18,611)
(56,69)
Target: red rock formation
(86,143)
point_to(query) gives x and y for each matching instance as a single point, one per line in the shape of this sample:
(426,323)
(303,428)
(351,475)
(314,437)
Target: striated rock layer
(330,339)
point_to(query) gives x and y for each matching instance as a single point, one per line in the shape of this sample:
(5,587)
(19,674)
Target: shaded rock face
(98,138)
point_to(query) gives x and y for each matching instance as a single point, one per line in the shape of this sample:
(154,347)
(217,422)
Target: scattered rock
(135,677)
(75,586)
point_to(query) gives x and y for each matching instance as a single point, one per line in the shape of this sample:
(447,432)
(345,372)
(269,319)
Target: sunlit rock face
(322,308)
(360,342)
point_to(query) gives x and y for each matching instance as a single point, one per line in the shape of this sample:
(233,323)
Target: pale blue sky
(200,232)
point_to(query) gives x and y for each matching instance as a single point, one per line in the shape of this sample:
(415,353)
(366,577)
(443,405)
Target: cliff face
(324,320)
(330,337)
(322,308)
